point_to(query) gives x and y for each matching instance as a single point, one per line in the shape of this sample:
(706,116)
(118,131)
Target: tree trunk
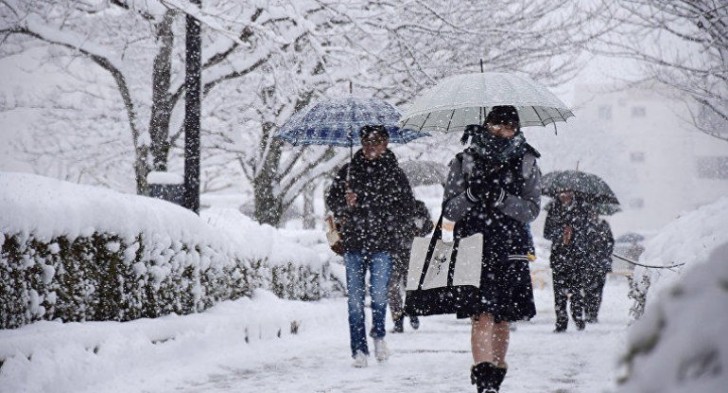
(268,202)
(161,101)
(309,217)
(141,170)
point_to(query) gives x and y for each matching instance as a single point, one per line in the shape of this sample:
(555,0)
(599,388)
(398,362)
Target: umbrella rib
(450,121)
(425,121)
(539,116)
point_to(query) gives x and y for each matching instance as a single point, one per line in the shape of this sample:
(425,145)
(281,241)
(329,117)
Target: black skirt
(505,290)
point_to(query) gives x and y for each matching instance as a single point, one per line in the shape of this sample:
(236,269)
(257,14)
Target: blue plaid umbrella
(336,122)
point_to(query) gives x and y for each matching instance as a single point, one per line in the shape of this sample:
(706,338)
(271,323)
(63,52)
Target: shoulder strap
(532,150)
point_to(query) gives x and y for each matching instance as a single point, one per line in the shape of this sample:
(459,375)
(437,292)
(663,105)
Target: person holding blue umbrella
(372,201)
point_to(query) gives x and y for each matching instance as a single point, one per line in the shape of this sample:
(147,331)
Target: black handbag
(443,277)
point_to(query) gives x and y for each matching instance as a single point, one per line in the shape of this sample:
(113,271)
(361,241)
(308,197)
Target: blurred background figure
(599,263)
(566,226)
(421,225)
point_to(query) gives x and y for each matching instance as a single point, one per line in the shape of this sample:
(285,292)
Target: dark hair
(503,114)
(370,129)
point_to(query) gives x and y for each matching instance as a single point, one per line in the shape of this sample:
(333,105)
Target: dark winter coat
(572,256)
(383,214)
(420,225)
(505,285)
(601,246)
(569,262)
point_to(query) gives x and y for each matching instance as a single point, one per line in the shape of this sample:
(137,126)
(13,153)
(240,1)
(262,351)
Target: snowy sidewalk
(210,354)
(436,358)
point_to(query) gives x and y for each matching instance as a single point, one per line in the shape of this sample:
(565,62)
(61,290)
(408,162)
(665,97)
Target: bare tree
(682,44)
(137,44)
(262,63)
(427,40)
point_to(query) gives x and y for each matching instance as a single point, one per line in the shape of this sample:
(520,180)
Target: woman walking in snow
(494,188)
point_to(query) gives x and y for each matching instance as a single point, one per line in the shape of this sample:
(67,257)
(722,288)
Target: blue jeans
(379,265)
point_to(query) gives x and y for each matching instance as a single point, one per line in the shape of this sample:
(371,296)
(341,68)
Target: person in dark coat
(601,246)
(567,223)
(420,225)
(494,188)
(371,199)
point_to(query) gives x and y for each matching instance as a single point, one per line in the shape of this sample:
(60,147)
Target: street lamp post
(193,65)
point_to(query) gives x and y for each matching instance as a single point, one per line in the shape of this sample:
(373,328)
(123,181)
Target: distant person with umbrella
(494,188)
(577,196)
(600,248)
(566,226)
(372,200)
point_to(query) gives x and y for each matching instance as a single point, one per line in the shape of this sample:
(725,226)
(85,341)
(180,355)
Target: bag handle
(436,235)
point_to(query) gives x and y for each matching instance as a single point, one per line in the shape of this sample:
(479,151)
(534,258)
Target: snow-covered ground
(247,345)
(208,352)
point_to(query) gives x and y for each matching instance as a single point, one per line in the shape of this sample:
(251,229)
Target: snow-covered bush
(76,253)
(686,242)
(679,344)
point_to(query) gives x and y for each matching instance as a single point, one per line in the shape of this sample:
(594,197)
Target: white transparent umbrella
(458,101)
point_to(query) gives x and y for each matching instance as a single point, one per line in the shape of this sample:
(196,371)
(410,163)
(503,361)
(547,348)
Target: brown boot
(487,377)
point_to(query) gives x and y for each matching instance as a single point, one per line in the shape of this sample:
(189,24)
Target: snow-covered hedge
(76,253)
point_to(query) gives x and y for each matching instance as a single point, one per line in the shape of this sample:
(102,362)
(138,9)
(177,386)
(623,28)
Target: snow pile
(95,356)
(679,343)
(686,242)
(48,208)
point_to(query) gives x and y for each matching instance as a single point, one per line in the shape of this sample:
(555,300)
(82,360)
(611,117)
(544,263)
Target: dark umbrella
(590,186)
(422,173)
(630,237)
(607,209)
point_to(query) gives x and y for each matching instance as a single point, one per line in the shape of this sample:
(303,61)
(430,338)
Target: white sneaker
(380,349)
(360,360)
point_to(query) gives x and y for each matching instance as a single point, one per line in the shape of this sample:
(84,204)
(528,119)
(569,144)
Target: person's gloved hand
(486,190)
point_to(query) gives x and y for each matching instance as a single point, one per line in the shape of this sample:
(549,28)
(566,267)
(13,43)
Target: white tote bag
(443,277)
(468,262)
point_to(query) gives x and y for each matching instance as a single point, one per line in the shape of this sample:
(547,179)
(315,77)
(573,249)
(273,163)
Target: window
(637,203)
(637,156)
(605,112)
(713,167)
(638,111)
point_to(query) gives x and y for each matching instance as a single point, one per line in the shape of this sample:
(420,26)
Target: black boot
(398,325)
(415,322)
(487,377)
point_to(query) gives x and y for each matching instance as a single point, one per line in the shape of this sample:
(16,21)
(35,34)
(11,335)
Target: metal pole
(192,112)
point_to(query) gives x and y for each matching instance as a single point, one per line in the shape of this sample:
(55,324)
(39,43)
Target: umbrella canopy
(461,100)
(630,237)
(591,186)
(336,122)
(424,173)
(607,209)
